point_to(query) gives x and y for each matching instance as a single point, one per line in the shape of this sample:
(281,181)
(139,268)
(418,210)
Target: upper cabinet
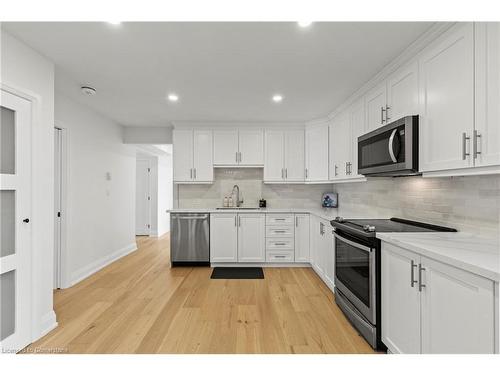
(376,107)
(244,147)
(486,135)
(284,156)
(192,154)
(317,153)
(447,100)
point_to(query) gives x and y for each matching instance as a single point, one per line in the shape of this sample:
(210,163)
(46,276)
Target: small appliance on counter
(330,200)
(262,203)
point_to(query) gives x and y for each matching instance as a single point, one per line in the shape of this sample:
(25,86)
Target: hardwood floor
(141,305)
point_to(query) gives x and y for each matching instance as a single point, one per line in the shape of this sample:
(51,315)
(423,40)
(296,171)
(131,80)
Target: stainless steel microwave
(391,150)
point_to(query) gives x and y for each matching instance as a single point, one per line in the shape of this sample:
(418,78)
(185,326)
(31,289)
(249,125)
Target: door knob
(26,221)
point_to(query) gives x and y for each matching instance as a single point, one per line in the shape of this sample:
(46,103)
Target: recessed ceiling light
(88,90)
(116,23)
(277,98)
(173,97)
(304,23)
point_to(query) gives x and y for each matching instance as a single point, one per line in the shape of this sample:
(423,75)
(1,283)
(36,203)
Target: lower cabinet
(322,251)
(430,307)
(237,238)
(302,241)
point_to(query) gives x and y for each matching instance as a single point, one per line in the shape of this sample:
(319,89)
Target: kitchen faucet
(237,201)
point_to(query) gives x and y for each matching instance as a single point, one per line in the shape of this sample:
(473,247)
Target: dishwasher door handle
(191,217)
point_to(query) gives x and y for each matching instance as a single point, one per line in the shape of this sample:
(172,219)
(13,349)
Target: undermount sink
(238,208)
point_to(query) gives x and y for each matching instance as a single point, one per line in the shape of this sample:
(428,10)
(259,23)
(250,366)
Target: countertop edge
(478,270)
(316,212)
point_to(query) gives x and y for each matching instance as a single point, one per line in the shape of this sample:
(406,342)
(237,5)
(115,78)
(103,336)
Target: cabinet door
(183,155)
(400,300)
(313,239)
(486,141)
(340,146)
(447,100)
(457,310)
(317,153)
(329,255)
(251,238)
(223,238)
(251,147)
(402,93)
(274,155)
(302,241)
(357,128)
(203,167)
(225,147)
(294,155)
(319,256)
(375,102)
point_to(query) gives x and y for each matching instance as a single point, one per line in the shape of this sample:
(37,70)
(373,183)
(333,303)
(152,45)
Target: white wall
(25,70)
(165,193)
(100,212)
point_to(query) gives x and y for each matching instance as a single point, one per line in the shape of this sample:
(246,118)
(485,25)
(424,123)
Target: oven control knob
(369,228)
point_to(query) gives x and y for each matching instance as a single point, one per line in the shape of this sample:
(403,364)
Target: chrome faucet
(237,201)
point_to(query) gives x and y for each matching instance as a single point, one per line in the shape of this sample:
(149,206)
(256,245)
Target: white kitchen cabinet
(193,156)
(317,153)
(319,245)
(243,147)
(302,242)
(251,237)
(447,100)
(340,146)
(224,238)
(284,156)
(329,256)
(357,128)
(486,138)
(225,147)
(400,300)
(183,155)
(457,310)
(375,103)
(430,307)
(402,93)
(251,147)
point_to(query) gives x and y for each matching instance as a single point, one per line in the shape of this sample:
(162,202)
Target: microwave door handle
(391,146)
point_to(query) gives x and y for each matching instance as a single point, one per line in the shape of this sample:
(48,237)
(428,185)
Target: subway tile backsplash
(470,204)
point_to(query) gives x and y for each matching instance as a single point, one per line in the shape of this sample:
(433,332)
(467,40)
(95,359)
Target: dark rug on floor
(237,273)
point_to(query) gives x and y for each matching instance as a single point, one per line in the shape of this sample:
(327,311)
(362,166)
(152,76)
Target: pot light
(115,23)
(88,90)
(304,23)
(173,97)
(277,98)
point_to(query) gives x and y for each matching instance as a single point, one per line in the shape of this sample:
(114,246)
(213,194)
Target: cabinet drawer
(280,243)
(279,231)
(279,219)
(280,256)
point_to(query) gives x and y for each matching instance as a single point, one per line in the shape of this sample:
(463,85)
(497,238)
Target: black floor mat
(237,273)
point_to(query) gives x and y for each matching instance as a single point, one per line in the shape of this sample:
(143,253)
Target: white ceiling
(221,71)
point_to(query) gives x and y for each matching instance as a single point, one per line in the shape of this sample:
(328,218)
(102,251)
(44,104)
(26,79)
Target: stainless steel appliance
(357,269)
(391,150)
(190,239)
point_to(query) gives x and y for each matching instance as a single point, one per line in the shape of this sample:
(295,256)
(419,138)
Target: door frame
(144,158)
(63,264)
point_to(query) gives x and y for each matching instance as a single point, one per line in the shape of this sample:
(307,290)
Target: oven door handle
(354,244)
(391,146)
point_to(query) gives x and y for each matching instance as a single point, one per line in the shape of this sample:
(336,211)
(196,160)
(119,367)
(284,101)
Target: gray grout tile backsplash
(470,204)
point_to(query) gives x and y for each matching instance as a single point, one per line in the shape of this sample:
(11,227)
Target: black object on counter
(262,203)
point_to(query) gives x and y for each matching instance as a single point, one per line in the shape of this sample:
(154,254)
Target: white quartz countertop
(462,250)
(323,213)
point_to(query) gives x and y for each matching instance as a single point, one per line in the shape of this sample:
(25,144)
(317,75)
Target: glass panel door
(15,224)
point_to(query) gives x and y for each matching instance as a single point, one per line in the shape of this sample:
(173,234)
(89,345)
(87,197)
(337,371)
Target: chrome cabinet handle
(236,156)
(391,146)
(279,231)
(235,220)
(191,173)
(195,173)
(280,256)
(307,173)
(346,168)
(286,173)
(420,285)
(475,144)
(296,221)
(280,243)
(336,167)
(239,220)
(412,280)
(464,146)
(382,110)
(279,219)
(387,118)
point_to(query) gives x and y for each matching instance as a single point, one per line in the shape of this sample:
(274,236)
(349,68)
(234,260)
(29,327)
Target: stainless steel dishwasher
(190,239)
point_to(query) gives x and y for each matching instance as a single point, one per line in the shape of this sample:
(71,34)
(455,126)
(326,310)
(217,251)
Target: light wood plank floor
(141,305)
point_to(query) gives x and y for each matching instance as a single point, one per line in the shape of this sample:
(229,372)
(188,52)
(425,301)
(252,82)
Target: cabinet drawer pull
(382,110)
(464,146)
(280,243)
(387,118)
(420,285)
(280,256)
(279,231)
(412,277)
(475,144)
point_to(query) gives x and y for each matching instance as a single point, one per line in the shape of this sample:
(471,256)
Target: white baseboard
(92,268)
(47,324)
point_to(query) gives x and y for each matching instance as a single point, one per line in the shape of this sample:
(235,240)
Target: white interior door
(143,198)
(57,206)
(15,225)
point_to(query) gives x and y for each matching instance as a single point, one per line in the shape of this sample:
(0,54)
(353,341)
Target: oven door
(355,275)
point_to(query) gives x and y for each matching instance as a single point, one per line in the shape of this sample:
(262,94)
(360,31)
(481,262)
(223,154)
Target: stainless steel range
(357,269)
